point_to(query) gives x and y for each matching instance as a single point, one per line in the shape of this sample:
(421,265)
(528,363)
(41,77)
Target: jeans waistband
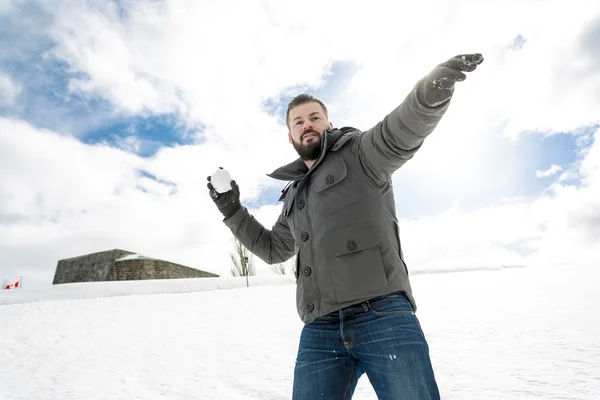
(362,306)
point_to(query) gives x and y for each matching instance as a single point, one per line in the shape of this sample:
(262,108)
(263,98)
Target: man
(339,218)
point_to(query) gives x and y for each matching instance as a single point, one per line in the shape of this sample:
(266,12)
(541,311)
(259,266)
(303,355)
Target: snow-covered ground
(523,333)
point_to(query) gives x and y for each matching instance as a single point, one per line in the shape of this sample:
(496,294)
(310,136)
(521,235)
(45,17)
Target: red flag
(13,286)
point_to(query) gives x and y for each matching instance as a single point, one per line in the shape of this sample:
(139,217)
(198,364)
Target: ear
(330,125)
(290,137)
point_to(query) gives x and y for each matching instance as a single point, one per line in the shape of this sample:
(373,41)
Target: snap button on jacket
(339,217)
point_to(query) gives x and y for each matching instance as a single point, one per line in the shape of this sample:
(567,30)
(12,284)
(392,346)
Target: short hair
(303,99)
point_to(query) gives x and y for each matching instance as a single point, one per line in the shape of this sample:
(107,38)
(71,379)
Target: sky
(112,115)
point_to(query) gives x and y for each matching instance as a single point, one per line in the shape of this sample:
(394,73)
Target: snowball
(221,180)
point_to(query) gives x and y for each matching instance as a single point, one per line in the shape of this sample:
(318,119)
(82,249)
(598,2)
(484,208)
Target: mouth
(310,135)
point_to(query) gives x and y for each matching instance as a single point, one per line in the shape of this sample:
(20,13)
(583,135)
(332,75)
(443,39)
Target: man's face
(307,124)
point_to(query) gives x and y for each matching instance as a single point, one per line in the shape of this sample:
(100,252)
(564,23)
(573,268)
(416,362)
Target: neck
(310,163)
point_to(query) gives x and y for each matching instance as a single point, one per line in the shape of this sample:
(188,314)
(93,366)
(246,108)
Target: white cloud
(553,170)
(562,226)
(214,67)
(6,5)
(210,63)
(62,198)
(8,91)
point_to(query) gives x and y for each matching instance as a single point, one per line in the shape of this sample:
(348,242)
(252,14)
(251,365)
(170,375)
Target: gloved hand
(437,87)
(228,202)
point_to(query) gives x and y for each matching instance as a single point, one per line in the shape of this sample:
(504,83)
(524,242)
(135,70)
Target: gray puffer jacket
(339,217)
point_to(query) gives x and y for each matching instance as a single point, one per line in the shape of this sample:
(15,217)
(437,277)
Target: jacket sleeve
(392,142)
(272,246)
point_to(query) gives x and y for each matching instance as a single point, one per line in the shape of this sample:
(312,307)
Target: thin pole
(246,269)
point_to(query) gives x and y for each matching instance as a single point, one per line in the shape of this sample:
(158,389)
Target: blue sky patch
(150,176)
(337,77)
(515,174)
(152,132)
(518,42)
(541,151)
(268,196)
(44,100)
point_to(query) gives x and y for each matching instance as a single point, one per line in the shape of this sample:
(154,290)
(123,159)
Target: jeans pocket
(394,304)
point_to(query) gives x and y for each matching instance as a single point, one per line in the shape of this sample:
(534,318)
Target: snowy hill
(526,333)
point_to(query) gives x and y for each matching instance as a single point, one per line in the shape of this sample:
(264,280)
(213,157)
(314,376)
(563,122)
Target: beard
(309,151)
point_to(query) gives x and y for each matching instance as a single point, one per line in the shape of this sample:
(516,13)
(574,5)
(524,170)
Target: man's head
(307,119)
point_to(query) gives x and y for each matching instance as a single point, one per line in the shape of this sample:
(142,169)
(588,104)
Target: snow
(510,333)
(123,288)
(134,257)
(221,180)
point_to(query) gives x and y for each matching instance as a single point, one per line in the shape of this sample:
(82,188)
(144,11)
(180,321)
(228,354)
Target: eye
(298,123)
(316,118)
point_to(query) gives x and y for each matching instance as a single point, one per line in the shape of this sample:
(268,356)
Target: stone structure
(121,265)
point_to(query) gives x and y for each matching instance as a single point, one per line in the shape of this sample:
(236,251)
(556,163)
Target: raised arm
(395,140)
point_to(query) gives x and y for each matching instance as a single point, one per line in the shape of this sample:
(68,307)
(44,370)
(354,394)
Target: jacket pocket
(356,266)
(335,189)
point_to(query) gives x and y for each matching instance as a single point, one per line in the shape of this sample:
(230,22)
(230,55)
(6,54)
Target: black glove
(437,87)
(229,202)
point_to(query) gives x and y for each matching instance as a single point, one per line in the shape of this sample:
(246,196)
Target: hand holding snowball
(225,192)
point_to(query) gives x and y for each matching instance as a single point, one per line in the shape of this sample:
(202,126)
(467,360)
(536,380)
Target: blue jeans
(381,337)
